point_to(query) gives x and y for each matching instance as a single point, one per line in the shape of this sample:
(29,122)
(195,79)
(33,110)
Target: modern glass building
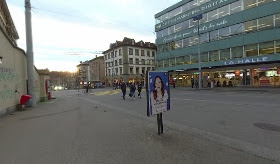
(239,41)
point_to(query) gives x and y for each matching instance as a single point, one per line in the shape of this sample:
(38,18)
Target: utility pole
(29,52)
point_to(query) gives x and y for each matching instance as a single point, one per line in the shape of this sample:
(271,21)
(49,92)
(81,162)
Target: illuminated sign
(247,61)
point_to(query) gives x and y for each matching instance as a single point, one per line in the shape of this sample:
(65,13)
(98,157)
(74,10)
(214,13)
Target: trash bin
(25,99)
(212,84)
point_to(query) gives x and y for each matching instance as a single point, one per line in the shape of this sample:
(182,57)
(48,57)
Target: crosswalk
(108,92)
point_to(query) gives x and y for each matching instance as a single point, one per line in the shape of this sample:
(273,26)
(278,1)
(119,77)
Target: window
(130,51)
(171,30)
(131,70)
(192,23)
(193,40)
(136,52)
(223,11)
(213,15)
(185,7)
(251,50)
(116,63)
(250,26)
(194,59)
(187,59)
(143,61)
(159,34)
(148,54)
(116,53)
(250,4)
(164,32)
(121,71)
(178,27)
(136,61)
(237,52)
(105,57)
(204,37)
(177,11)
(214,56)
(172,62)
(204,18)
(193,4)
(137,70)
(235,7)
(277,20)
(186,42)
(160,63)
(130,60)
(204,57)
(277,44)
(153,53)
(120,52)
(166,62)
(109,57)
(265,22)
(225,54)
(180,60)
(178,44)
(112,54)
(214,35)
(120,61)
(224,33)
(267,48)
(142,53)
(185,25)
(236,29)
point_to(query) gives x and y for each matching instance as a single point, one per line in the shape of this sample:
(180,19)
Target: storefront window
(235,7)
(214,35)
(224,32)
(237,52)
(251,50)
(166,63)
(265,22)
(223,11)
(194,59)
(277,20)
(178,44)
(204,57)
(204,37)
(277,44)
(250,26)
(178,27)
(250,4)
(213,15)
(225,54)
(267,48)
(187,59)
(172,62)
(186,42)
(236,29)
(180,60)
(214,56)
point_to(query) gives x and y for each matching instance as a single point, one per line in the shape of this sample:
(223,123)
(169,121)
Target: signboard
(158,92)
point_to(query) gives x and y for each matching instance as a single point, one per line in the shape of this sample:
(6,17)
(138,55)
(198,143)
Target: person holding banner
(159,96)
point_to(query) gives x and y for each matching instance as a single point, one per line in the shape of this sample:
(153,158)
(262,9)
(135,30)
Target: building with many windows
(97,71)
(238,41)
(127,60)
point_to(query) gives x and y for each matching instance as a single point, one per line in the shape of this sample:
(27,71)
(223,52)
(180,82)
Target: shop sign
(247,61)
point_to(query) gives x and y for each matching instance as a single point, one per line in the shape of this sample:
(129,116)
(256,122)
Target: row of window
(264,48)
(223,33)
(136,52)
(194,3)
(132,70)
(132,61)
(206,17)
(108,56)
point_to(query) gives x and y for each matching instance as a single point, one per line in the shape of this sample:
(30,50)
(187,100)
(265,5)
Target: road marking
(108,92)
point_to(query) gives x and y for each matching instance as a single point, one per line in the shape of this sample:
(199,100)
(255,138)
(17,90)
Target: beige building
(83,73)
(13,67)
(97,71)
(127,60)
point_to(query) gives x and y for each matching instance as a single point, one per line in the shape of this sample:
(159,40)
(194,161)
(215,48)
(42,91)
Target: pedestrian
(139,90)
(123,88)
(132,91)
(192,81)
(196,85)
(173,84)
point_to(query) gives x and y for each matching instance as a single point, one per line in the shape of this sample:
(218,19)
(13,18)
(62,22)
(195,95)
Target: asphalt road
(202,127)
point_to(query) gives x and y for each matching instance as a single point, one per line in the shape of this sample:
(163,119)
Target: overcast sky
(63,26)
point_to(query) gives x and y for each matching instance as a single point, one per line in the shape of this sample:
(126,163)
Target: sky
(62,28)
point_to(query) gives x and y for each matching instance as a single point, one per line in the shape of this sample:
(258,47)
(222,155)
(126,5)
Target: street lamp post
(197,18)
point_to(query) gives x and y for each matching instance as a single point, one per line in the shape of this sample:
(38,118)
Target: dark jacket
(132,88)
(139,88)
(123,87)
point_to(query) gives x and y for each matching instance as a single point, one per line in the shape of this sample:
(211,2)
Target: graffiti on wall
(7,74)
(7,94)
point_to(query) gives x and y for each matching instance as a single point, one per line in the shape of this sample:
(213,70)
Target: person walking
(196,85)
(123,88)
(192,81)
(132,90)
(139,90)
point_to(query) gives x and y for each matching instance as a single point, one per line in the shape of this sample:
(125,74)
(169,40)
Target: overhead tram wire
(89,19)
